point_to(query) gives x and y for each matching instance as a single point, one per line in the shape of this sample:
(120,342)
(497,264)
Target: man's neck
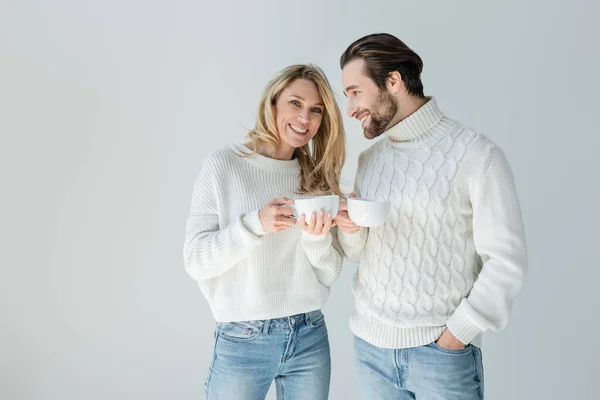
(407,106)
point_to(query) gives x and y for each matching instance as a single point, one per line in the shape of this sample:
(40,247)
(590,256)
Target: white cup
(368,213)
(312,205)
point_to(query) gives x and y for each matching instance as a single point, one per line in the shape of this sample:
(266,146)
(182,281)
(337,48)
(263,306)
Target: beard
(383,111)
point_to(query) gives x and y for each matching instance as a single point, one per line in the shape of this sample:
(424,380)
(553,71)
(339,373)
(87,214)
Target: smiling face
(374,108)
(298,114)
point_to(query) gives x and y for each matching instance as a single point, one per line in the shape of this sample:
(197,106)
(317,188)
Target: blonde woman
(265,275)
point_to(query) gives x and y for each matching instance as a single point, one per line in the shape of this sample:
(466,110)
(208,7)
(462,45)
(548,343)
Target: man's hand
(449,341)
(343,220)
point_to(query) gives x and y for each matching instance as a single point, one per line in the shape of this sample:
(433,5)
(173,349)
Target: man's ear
(394,82)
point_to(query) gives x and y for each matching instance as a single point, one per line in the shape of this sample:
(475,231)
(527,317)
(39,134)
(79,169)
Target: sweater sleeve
(324,254)
(209,249)
(499,239)
(354,244)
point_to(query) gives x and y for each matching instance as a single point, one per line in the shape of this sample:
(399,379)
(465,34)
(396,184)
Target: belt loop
(266,327)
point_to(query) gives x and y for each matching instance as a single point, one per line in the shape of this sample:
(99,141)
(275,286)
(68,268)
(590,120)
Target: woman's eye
(317,110)
(295,102)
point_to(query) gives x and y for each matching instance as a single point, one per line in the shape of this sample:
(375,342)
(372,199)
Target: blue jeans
(427,372)
(249,355)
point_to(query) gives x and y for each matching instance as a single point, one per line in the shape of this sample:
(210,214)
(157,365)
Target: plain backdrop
(108,108)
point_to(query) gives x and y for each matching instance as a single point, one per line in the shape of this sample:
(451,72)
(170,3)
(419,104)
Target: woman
(266,275)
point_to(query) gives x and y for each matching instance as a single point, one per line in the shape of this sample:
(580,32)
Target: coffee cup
(312,205)
(368,213)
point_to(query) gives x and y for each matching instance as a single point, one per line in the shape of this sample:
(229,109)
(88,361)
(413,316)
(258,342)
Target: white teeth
(363,119)
(298,129)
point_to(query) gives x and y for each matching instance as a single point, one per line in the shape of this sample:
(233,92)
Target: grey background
(107,110)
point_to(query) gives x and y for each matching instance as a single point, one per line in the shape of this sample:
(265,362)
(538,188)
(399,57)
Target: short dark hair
(384,53)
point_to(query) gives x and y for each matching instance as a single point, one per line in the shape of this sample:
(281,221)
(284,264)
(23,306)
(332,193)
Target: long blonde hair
(320,164)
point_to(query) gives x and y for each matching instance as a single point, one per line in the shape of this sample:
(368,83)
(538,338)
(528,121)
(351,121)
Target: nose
(304,115)
(351,109)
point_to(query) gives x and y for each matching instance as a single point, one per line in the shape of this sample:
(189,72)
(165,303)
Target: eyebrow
(350,88)
(303,99)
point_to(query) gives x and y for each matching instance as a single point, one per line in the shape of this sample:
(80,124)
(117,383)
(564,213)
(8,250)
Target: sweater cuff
(252,222)
(353,238)
(461,325)
(314,238)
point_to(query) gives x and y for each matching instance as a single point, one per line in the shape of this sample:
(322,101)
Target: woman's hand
(318,224)
(277,216)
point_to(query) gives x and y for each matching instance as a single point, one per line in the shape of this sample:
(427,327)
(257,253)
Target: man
(449,260)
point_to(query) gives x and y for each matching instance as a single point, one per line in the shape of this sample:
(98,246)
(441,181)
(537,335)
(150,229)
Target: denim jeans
(294,351)
(427,372)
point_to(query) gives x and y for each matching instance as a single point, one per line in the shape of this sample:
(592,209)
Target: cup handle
(293,207)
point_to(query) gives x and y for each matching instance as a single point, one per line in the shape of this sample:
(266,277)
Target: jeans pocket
(467,349)
(315,319)
(242,331)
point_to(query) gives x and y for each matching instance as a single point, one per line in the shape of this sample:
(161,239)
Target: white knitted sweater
(244,272)
(452,252)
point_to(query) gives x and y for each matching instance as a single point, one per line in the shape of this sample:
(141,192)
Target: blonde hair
(320,164)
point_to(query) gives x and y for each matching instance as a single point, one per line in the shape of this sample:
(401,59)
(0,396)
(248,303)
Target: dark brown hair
(384,53)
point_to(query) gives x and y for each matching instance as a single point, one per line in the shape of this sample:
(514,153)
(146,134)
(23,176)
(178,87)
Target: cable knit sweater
(452,252)
(244,272)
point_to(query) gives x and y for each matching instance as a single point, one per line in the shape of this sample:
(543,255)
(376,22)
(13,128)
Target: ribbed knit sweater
(244,272)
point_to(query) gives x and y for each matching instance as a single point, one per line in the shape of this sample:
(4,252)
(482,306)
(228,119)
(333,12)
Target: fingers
(349,231)
(285,220)
(279,227)
(310,226)
(312,223)
(328,225)
(279,201)
(345,223)
(347,227)
(284,210)
(343,218)
(344,203)
(303,221)
(343,206)
(320,220)
(319,224)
